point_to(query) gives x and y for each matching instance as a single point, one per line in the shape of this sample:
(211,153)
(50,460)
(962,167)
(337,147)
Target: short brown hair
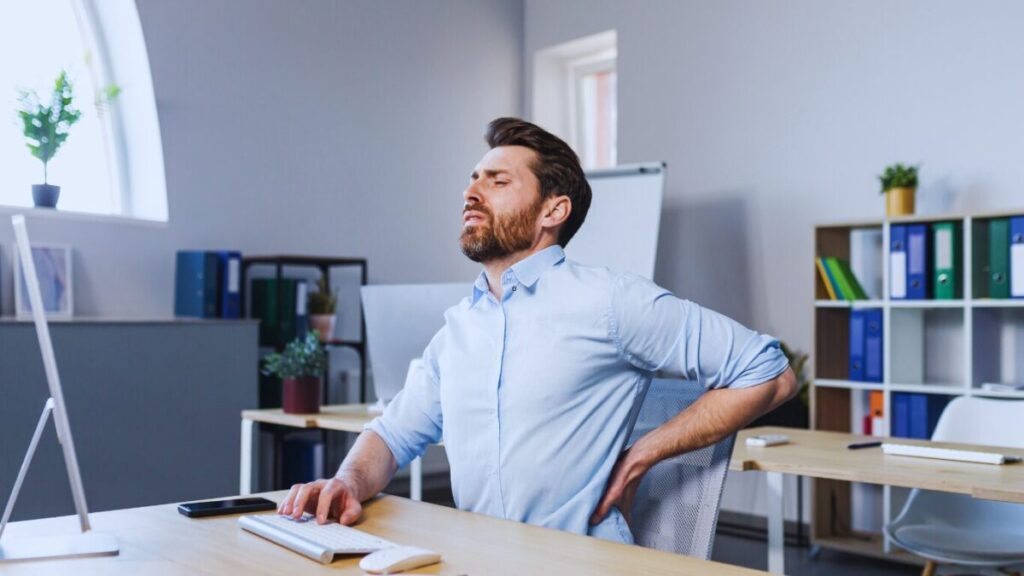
(557,167)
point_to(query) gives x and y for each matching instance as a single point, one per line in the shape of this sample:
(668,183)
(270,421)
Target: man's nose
(472,193)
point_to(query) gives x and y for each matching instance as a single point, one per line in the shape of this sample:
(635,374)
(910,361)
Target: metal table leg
(776,527)
(245,469)
(416,479)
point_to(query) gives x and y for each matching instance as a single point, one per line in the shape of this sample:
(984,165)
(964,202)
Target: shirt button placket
(495,469)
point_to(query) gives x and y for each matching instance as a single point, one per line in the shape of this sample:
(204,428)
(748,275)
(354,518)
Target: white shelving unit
(947,347)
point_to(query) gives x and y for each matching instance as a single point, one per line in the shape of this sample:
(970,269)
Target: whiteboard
(621,228)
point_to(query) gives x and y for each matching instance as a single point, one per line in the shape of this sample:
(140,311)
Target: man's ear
(556,211)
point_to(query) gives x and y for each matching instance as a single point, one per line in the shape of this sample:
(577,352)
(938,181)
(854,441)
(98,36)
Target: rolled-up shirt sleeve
(656,331)
(412,420)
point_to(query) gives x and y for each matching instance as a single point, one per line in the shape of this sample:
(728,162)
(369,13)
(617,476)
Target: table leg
(776,528)
(416,479)
(245,466)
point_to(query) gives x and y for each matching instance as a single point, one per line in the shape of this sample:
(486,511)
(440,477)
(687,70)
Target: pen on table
(859,445)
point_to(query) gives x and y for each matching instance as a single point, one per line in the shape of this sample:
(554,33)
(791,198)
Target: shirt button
(514,288)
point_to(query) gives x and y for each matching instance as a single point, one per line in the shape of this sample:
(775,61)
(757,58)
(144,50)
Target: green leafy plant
(323,301)
(46,127)
(301,357)
(898,176)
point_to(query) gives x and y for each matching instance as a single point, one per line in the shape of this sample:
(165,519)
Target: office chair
(956,528)
(676,504)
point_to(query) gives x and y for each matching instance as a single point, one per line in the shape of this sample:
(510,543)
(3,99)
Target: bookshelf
(278,435)
(941,347)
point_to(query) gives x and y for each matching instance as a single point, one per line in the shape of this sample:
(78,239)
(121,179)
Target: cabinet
(941,348)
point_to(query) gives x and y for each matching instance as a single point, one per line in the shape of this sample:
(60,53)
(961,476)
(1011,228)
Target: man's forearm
(716,415)
(368,467)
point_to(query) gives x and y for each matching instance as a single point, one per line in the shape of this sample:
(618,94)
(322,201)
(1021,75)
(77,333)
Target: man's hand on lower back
(629,470)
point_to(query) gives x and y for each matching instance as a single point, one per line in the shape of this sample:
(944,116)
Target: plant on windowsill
(899,183)
(46,127)
(795,412)
(322,305)
(301,366)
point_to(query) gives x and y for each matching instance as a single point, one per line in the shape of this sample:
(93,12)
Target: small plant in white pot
(322,307)
(300,366)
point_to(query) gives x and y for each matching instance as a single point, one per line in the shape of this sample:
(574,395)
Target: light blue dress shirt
(534,396)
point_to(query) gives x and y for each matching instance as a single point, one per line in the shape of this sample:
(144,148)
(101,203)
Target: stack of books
(281,308)
(207,284)
(915,415)
(999,258)
(839,280)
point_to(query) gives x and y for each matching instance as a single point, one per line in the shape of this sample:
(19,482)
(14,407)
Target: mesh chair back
(676,505)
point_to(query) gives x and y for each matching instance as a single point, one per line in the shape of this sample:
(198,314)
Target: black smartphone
(224,507)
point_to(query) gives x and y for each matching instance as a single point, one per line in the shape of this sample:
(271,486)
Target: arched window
(112,160)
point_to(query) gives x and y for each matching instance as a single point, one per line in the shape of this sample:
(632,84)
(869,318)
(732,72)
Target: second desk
(338,417)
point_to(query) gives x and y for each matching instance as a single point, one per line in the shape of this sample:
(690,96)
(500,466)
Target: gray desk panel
(154,408)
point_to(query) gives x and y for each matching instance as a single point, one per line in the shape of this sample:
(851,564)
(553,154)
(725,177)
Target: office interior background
(349,128)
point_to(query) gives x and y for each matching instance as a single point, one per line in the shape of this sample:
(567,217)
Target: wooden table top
(158,540)
(341,417)
(820,454)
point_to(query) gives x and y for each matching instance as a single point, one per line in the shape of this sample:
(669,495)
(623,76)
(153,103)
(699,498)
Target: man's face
(502,205)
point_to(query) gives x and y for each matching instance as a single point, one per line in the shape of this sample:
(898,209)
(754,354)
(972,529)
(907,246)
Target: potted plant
(301,366)
(322,305)
(46,129)
(899,183)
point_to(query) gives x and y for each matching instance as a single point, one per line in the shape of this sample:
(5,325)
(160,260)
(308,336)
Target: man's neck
(496,267)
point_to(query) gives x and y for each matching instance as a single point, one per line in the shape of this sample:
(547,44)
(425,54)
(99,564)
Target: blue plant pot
(45,195)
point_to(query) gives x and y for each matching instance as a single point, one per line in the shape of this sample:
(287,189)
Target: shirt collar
(527,271)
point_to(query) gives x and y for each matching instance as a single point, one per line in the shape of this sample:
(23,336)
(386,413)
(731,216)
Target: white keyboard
(948,454)
(317,541)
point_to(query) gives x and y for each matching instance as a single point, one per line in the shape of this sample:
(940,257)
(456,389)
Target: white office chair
(676,504)
(956,528)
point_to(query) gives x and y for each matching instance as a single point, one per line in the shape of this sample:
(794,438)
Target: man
(534,381)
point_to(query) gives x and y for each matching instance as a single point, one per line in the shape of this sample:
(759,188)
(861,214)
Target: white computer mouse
(398,559)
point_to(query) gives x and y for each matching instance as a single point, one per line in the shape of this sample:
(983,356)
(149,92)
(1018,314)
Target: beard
(497,237)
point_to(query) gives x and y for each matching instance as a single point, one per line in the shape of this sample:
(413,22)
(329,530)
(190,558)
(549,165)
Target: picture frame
(56,281)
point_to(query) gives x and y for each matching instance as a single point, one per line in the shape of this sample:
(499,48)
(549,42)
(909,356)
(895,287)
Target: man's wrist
(351,482)
(643,455)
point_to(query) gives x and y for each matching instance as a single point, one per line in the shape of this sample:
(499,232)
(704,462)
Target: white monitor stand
(86,543)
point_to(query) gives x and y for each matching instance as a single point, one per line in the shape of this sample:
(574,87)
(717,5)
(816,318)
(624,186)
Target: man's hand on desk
(333,498)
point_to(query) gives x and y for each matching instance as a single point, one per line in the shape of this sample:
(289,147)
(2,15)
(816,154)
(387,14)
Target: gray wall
(776,115)
(313,127)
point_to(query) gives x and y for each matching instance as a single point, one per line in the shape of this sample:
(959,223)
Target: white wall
(776,115)
(314,127)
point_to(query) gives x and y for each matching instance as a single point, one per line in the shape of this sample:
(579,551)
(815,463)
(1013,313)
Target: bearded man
(534,382)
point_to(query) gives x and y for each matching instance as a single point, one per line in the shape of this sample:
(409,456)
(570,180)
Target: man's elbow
(786,386)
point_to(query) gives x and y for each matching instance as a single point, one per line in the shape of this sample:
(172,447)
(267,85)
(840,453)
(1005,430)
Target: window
(94,167)
(575,96)
(595,108)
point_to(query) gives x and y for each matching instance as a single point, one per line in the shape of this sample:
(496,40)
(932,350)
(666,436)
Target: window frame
(576,70)
(111,120)
(555,102)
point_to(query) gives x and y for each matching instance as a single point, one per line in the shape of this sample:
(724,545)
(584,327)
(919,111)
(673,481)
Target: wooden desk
(819,454)
(159,540)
